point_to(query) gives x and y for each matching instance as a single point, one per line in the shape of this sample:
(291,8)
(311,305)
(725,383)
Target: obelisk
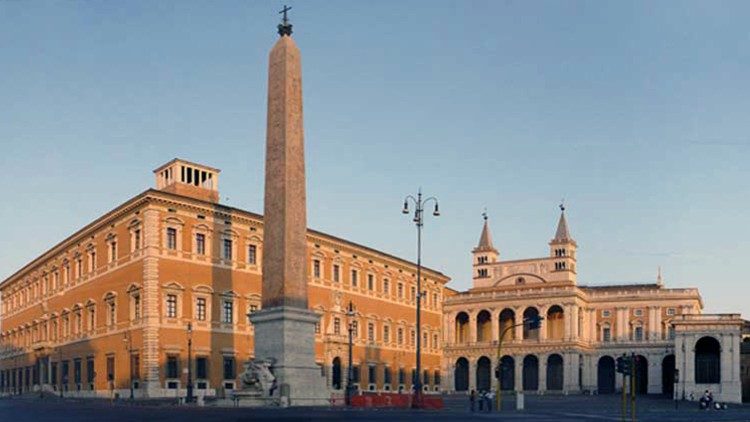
(285,327)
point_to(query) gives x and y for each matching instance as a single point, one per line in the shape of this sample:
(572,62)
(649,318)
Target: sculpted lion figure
(258,377)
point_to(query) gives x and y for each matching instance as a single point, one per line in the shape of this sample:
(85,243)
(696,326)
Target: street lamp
(350,370)
(129,347)
(419,221)
(189,364)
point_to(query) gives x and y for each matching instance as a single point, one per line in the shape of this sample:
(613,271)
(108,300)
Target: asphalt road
(543,409)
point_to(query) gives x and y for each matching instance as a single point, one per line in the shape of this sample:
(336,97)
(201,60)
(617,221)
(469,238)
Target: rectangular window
(137,239)
(200,244)
(65,371)
(355,373)
(336,271)
(638,312)
(606,313)
(370,282)
(200,310)
(386,334)
(671,311)
(112,312)
(336,326)
(606,334)
(171,238)
(434,341)
(412,338)
(401,376)
(201,368)
(171,306)
(92,262)
(638,335)
(354,280)
(228,312)
(386,286)
(172,367)
(400,290)
(227,249)
(670,332)
(137,307)
(112,252)
(400,336)
(252,252)
(110,368)
(90,370)
(135,369)
(413,293)
(435,300)
(371,374)
(79,267)
(92,318)
(370,331)
(355,328)
(316,268)
(228,368)
(77,371)
(386,375)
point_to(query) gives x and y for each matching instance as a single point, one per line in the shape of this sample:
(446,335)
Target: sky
(634,112)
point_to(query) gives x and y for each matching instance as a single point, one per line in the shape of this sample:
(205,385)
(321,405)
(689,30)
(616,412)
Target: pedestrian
(472,398)
(490,397)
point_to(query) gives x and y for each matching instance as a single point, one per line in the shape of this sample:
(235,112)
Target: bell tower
(485,254)
(562,247)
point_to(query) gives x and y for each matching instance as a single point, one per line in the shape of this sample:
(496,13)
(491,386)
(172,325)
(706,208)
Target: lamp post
(189,398)
(419,221)
(129,347)
(350,368)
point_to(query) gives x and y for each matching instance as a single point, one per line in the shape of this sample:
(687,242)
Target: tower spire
(485,239)
(562,234)
(659,279)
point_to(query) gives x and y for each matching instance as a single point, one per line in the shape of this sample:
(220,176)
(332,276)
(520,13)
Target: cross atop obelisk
(285,28)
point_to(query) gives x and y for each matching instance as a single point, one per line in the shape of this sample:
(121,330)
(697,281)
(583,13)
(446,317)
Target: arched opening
(507,373)
(528,333)
(707,361)
(484,366)
(336,373)
(462,327)
(555,323)
(484,326)
(530,373)
(667,375)
(461,375)
(605,375)
(507,319)
(641,375)
(555,372)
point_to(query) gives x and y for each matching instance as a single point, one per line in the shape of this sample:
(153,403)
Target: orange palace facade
(107,310)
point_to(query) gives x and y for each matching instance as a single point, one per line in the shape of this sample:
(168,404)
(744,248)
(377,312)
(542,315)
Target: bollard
(519,401)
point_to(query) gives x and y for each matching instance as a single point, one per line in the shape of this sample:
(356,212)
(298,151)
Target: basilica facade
(583,330)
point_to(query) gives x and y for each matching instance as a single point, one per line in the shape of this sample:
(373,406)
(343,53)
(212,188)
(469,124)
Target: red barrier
(402,401)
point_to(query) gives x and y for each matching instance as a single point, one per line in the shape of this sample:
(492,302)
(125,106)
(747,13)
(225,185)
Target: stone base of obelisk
(287,335)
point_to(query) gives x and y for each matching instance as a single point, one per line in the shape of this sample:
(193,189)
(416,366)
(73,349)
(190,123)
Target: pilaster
(150,303)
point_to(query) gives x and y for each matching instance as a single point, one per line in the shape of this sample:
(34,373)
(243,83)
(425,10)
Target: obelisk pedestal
(285,327)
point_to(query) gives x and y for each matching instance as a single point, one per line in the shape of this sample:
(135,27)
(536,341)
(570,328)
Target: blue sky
(634,112)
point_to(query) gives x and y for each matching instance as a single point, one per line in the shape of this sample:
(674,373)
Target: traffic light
(624,365)
(533,322)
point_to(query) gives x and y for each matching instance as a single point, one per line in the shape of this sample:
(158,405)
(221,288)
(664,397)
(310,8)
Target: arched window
(707,361)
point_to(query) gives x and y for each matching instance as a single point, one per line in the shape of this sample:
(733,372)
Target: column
(473,327)
(658,334)
(592,325)
(654,373)
(519,322)
(449,378)
(472,373)
(543,372)
(574,322)
(568,323)
(543,324)
(518,374)
(150,303)
(688,374)
(495,326)
(651,333)
(570,372)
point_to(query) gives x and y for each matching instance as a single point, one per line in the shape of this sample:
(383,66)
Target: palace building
(109,307)
(583,330)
